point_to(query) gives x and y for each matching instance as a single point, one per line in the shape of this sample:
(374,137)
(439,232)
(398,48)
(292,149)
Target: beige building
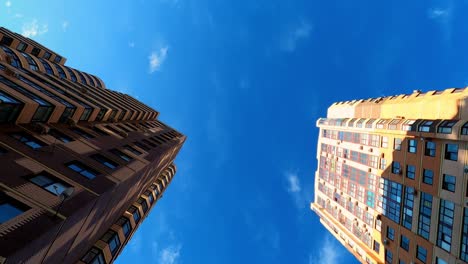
(391,183)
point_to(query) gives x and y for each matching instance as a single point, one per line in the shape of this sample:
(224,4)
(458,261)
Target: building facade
(391,183)
(82,165)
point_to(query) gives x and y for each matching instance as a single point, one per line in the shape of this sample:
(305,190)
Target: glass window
(35,51)
(384,142)
(47,67)
(396,167)
(82,133)
(445,227)
(10,208)
(412,145)
(404,243)
(122,155)
(449,182)
(82,169)
(150,196)
(391,199)
(60,71)
(421,254)
(451,152)
(408,205)
(143,204)
(22,46)
(142,146)
(9,108)
(408,125)
(390,233)
(72,75)
(57,59)
(125,224)
(388,256)
(112,239)
(28,140)
(430,149)
(428,176)
(6,41)
(15,62)
(410,171)
(94,256)
(425,126)
(60,136)
(49,183)
(440,261)
(464,130)
(464,240)
(425,213)
(31,62)
(446,126)
(105,161)
(376,246)
(47,55)
(133,150)
(397,144)
(136,214)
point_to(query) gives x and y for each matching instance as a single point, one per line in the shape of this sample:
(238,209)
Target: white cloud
(438,12)
(131,44)
(33,29)
(292,37)
(157,58)
(329,253)
(169,255)
(8,3)
(294,184)
(65,25)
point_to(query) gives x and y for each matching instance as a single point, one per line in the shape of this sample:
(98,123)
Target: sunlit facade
(82,165)
(391,183)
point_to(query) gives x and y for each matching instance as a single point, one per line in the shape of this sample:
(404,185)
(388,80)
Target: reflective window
(421,254)
(82,169)
(46,66)
(72,74)
(412,145)
(410,171)
(136,214)
(150,196)
(408,205)
(397,144)
(141,145)
(404,243)
(143,204)
(464,130)
(9,108)
(122,155)
(125,224)
(430,149)
(451,152)
(390,233)
(425,213)
(94,256)
(112,239)
(391,199)
(28,140)
(6,41)
(425,126)
(47,55)
(105,161)
(388,256)
(446,126)
(10,208)
(35,51)
(60,136)
(396,167)
(445,227)
(22,46)
(449,183)
(133,150)
(49,183)
(15,62)
(31,62)
(428,176)
(60,71)
(464,235)
(82,133)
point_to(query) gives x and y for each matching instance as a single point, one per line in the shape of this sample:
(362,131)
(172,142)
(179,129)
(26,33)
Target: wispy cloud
(32,29)
(438,13)
(294,35)
(8,3)
(170,255)
(65,25)
(157,58)
(301,196)
(443,16)
(329,252)
(294,184)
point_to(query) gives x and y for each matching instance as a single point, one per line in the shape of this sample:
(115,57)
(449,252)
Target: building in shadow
(391,183)
(81,165)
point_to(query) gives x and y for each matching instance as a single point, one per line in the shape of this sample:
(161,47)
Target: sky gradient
(246,81)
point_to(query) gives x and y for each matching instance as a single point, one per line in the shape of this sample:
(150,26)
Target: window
(9,108)
(449,183)
(60,136)
(6,41)
(10,208)
(383,164)
(99,131)
(112,238)
(57,59)
(121,155)
(404,243)
(136,214)
(15,62)
(47,55)
(412,145)
(82,169)
(393,124)
(390,233)
(408,125)
(440,261)
(142,146)
(133,150)
(388,256)
(60,71)
(397,144)
(445,227)
(49,183)
(72,75)
(408,206)
(22,46)
(451,152)
(396,167)
(143,204)
(464,130)
(35,51)
(28,140)
(401,261)
(391,199)
(410,171)
(425,213)
(425,126)
(384,142)
(376,246)
(125,224)
(430,149)
(150,196)
(464,240)
(31,62)
(47,67)
(105,161)
(82,133)
(428,176)
(446,126)
(421,254)
(94,256)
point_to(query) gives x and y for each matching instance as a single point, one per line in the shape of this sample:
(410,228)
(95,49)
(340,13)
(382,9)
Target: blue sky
(245,81)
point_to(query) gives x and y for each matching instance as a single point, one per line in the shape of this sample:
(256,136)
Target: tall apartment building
(81,165)
(391,183)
